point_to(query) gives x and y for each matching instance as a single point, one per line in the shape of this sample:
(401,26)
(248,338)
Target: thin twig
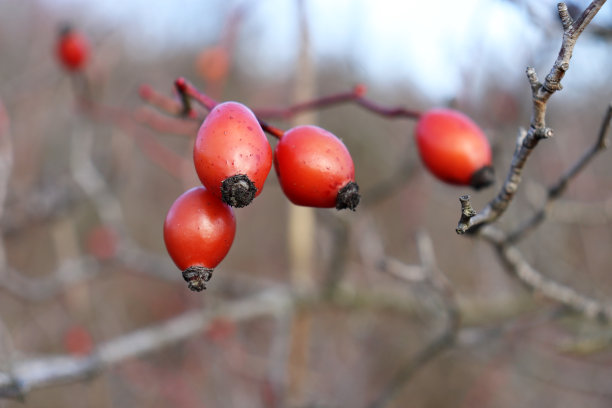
(188,91)
(291,111)
(396,112)
(356,95)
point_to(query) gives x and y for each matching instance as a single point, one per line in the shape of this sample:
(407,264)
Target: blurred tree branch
(437,281)
(47,371)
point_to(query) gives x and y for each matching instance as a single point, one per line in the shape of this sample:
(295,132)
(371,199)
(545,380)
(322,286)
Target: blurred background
(87,189)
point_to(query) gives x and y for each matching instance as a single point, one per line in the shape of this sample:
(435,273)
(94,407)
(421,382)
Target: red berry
(72,49)
(232,155)
(198,232)
(315,169)
(454,148)
(78,341)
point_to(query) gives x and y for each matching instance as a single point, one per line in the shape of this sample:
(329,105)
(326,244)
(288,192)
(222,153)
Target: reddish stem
(187,91)
(397,112)
(287,113)
(273,131)
(357,95)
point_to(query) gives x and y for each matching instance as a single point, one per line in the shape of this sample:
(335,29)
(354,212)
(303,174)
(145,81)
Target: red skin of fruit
(451,145)
(312,165)
(73,50)
(199,229)
(230,142)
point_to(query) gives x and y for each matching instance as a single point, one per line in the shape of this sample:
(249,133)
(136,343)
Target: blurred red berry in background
(72,49)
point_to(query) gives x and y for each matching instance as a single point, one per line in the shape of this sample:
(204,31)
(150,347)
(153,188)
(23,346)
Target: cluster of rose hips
(233,158)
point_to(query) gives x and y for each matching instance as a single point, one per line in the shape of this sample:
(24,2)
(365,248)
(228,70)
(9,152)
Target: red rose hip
(231,154)
(72,49)
(315,169)
(454,149)
(198,232)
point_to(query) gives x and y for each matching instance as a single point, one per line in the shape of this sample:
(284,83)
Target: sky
(427,43)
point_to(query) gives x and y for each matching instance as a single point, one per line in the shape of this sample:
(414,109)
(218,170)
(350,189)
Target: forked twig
(529,139)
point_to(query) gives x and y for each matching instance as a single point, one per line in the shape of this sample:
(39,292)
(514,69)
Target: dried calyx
(482,178)
(348,197)
(238,191)
(196,277)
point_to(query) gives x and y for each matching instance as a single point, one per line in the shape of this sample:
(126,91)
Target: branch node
(543,133)
(552,84)
(467,212)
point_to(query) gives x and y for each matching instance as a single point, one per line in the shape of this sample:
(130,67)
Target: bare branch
(541,92)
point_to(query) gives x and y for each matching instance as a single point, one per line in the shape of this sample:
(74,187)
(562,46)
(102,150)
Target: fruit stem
(397,112)
(187,91)
(272,130)
(356,95)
